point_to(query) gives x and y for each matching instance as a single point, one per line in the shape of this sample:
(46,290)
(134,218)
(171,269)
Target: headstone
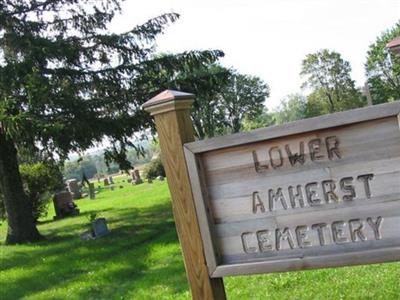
(149,180)
(112,187)
(106,182)
(64,205)
(92,193)
(110,179)
(73,187)
(161,178)
(129,180)
(138,180)
(100,227)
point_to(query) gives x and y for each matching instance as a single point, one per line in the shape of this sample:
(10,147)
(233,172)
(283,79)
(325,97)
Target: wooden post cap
(168,100)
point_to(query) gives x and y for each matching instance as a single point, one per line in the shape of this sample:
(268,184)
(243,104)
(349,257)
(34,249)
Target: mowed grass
(141,259)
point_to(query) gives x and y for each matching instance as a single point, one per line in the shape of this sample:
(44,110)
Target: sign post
(316,193)
(171,111)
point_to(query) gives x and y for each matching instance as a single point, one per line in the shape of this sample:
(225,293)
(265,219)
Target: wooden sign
(315,193)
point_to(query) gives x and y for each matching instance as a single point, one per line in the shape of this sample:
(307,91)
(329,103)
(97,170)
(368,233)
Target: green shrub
(40,181)
(154,168)
(2,208)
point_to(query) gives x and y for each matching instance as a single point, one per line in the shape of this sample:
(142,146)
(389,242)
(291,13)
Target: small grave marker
(100,228)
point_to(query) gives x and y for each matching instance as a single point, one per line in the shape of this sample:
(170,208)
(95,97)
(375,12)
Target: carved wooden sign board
(315,193)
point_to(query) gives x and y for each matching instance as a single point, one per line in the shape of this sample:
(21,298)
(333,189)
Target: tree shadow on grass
(64,259)
(85,213)
(132,221)
(132,277)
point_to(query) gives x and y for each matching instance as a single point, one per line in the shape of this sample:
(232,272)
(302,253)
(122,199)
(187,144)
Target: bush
(2,208)
(154,169)
(40,181)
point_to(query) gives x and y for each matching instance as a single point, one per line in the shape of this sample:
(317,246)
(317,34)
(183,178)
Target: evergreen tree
(66,83)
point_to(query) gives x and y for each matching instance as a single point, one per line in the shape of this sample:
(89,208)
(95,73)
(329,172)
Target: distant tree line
(94,165)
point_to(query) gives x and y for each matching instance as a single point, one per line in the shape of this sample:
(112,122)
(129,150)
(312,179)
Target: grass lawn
(141,259)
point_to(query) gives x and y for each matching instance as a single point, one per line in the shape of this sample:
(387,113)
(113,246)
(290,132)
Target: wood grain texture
(354,177)
(202,206)
(305,263)
(297,127)
(174,128)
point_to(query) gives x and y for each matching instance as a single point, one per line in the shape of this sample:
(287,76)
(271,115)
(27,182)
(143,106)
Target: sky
(269,38)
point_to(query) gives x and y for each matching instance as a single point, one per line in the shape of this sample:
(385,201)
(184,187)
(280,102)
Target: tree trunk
(236,125)
(21,224)
(331,104)
(198,128)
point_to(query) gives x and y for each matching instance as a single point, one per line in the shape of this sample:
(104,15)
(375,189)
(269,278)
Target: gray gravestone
(73,187)
(64,205)
(100,227)
(138,180)
(92,193)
